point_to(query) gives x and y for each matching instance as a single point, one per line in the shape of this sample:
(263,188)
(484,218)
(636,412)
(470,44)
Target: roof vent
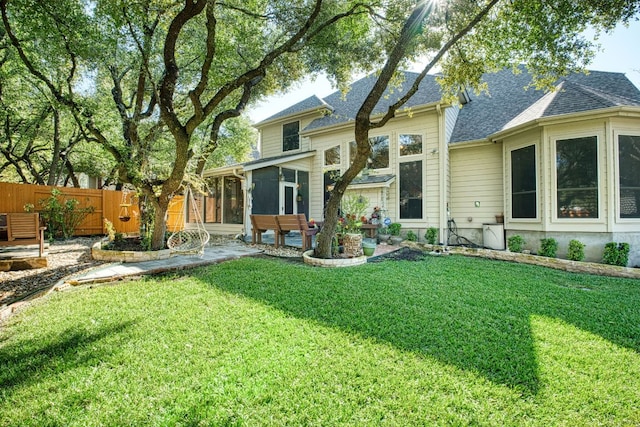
(463,96)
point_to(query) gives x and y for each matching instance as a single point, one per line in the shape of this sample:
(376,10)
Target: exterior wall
(477,191)
(594,243)
(425,124)
(450,117)
(593,232)
(271,137)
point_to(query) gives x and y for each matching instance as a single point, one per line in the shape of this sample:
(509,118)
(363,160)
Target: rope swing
(193,240)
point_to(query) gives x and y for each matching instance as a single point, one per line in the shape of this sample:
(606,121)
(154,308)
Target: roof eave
(321,110)
(278,161)
(405,112)
(621,111)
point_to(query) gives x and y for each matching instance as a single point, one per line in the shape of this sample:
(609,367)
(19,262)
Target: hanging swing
(189,241)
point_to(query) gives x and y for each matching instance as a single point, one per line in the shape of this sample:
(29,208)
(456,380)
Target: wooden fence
(106,204)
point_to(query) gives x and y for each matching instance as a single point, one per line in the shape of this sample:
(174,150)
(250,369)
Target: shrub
(431,235)
(548,247)
(616,254)
(62,218)
(411,236)
(515,243)
(394,228)
(576,250)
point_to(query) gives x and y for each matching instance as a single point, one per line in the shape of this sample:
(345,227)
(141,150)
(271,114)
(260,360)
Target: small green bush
(616,254)
(515,243)
(394,228)
(576,250)
(548,247)
(411,236)
(61,215)
(431,235)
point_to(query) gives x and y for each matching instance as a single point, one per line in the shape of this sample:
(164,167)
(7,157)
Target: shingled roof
(508,104)
(345,106)
(308,104)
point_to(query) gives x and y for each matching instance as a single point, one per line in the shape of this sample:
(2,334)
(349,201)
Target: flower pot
(369,247)
(383,238)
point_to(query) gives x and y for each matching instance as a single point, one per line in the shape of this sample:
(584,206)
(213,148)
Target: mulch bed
(402,254)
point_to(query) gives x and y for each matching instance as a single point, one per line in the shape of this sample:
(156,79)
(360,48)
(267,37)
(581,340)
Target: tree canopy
(156,83)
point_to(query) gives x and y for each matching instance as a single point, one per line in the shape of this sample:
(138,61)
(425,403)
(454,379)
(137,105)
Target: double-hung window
(291,136)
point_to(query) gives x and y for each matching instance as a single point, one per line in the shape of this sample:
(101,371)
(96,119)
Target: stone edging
(127,256)
(332,262)
(556,263)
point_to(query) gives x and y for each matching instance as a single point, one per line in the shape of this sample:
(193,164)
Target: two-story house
(563,164)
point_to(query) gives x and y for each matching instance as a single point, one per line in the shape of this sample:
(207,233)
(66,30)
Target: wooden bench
(299,223)
(24,229)
(261,224)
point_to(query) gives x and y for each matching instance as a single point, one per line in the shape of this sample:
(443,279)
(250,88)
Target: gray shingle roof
(346,106)
(305,105)
(508,104)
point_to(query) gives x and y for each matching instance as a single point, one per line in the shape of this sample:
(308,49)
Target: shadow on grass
(474,314)
(25,361)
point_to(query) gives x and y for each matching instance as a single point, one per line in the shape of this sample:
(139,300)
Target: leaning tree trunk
(159,226)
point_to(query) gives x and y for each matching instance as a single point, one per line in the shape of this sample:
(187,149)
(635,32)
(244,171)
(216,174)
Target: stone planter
(383,238)
(352,244)
(127,256)
(396,240)
(309,259)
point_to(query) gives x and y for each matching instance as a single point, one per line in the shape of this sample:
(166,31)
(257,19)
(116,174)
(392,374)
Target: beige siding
(526,139)
(425,124)
(450,118)
(476,176)
(575,130)
(271,137)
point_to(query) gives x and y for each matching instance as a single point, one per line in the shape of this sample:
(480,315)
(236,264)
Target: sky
(620,52)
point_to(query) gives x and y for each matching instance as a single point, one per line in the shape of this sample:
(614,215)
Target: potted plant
(394,230)
(383,235)
(353,208)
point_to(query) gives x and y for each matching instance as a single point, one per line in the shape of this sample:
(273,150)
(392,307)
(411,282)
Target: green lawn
(444,341)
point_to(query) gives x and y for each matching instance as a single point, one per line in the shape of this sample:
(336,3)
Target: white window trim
(324,157)
(554,178)
(282,138)
(409,159)
(509,195)
(402,158)
(616,175)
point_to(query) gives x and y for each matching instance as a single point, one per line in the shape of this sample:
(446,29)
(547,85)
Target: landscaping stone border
(556,263)
(332,262)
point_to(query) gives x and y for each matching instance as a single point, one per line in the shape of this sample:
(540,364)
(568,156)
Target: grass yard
(252,342)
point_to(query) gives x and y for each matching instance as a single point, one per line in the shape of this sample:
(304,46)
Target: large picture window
(629,179)
(523,182)
(577,177)
(379,152)
(411,190)
(291,136)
